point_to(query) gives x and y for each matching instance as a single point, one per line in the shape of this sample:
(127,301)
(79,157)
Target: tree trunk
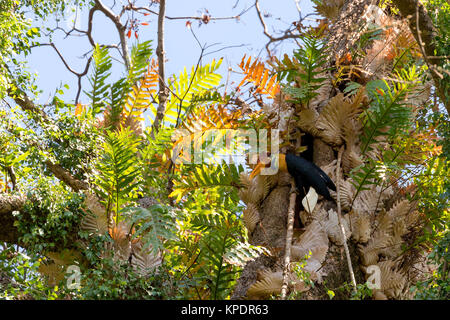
(377,222)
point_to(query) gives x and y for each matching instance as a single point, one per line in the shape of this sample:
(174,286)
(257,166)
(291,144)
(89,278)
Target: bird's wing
(308,171)
(330,184)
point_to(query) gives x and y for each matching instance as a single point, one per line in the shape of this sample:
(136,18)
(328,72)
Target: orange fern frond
(121,232)
(80,108)
(256,72)
(141,95)
(139,99)
(404,42)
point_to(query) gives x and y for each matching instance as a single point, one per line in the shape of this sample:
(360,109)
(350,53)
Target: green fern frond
(388,117)
(223,179)
(116,101)
(140,54)
(224,249)
(364,176)
(220,230)
(187,86)
(98,83)
(244,252)
(154,225)
(304,68)
(209,96)
(389,113)
(117,170)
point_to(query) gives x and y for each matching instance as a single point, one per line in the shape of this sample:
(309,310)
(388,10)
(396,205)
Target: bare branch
(79,75)
(263,23)
(236,17)
(287,34)
(226,47)
(163,91)
(289,234)
(338,200)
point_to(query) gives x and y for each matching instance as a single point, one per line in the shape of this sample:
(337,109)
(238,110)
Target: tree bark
(335,263)
(163,90)
(424,32)
(8,205)
(289,234)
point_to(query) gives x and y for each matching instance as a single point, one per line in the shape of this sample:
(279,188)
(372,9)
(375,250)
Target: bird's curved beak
(274,164)
(257,170)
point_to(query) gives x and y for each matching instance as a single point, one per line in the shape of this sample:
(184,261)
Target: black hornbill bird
(305,173)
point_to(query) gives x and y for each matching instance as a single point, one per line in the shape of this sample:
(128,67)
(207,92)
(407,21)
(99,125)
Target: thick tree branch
(424,32)
(9,204)
(65,176)
(27,105)
(120,28)
(39,115)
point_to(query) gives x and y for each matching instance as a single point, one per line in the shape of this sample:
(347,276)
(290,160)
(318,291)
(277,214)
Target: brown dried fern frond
(347,191)
(329,9)
(323,93)
(378,242)
(54,272)
(368,201)
(400,209)
(392,280)
(245,180)
(251,217)
(314,239)
(361,226)
(336,114)
(95,220)
(143,259)
(307,121)
(351,158)
(270,283)
(333,229)
(257,191)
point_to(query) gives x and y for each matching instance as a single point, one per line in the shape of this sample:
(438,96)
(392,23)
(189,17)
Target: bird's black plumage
(306,174)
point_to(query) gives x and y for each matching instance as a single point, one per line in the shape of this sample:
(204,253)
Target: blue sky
(181,48)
